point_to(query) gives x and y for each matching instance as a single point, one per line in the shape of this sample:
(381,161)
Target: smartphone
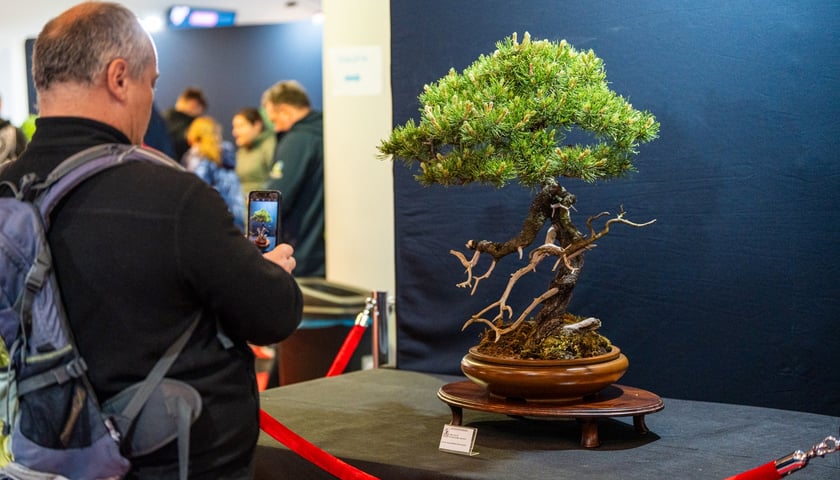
(264,209)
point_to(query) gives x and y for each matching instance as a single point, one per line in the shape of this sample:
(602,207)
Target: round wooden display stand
(613,401)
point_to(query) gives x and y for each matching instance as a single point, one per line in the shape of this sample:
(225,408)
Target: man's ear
(116,78)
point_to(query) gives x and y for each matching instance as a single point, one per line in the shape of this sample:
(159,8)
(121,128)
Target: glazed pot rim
(612,354)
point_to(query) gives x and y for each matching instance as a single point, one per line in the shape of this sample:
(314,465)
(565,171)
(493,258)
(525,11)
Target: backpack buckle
(38,272)
(76,367)
(26,187)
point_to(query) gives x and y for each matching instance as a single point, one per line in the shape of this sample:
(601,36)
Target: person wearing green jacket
(298,173)
(255,146)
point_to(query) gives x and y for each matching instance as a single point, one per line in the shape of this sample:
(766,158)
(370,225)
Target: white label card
(456,439)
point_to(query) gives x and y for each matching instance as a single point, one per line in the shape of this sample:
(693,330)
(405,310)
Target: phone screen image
(264,218)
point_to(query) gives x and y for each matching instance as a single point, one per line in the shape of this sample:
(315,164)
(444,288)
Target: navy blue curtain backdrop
(235,65)
(733,294)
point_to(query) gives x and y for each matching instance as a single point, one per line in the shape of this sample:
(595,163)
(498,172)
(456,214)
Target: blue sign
(181,16)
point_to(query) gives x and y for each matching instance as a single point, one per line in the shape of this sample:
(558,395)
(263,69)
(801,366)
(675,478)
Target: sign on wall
(356,70)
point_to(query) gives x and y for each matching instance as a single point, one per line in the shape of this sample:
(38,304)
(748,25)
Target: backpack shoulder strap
(67,175)
(132,409)
(87,163)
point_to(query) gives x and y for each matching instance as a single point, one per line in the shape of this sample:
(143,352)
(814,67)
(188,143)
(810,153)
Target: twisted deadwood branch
(548,248)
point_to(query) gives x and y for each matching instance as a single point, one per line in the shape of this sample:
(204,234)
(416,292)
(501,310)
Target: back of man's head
(288,92)
(78,45)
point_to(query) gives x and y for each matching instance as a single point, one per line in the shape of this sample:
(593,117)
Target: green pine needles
(506,117)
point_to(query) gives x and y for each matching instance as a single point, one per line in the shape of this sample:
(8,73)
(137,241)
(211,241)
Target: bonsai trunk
(553,315)
(552,333)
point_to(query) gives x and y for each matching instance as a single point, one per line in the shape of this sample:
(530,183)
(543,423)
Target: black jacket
(137,250)
(299,164)
(177,124)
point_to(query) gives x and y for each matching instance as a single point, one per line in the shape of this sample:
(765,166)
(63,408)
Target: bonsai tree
(505,119)
(260,219)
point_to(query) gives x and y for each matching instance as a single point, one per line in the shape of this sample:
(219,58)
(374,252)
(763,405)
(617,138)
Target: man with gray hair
(140,248)
(298,173)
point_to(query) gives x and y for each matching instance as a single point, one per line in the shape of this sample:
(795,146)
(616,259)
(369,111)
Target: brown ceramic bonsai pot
(261,242)
(544,380)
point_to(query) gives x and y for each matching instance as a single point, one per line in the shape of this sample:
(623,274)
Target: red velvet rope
(765,472)
(300,445)
(346,351)
(310,452)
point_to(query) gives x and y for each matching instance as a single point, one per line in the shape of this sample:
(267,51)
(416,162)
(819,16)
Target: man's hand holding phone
(282,255)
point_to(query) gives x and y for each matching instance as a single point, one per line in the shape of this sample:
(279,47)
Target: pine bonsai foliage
(505,118)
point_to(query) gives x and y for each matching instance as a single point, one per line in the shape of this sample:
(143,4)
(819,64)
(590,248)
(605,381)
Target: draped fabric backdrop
(733,294)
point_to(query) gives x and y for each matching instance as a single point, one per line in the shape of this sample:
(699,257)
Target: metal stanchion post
(380,343)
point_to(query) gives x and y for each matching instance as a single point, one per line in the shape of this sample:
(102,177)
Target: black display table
(389,424)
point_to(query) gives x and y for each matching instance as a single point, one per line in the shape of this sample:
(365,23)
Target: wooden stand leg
(639,424)
(589,433)
(457,415)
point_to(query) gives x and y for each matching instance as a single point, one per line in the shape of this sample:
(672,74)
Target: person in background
(28,126)
(254,157)
(298,173)
(12,140)
(139,249)
(254,149)
(190,104)
(157,136)
(214,162)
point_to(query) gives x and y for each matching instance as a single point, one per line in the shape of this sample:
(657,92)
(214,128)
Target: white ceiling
(32,14)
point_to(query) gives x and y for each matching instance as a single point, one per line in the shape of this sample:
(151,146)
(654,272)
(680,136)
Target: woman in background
(213,161)
(254,158)
(255,149)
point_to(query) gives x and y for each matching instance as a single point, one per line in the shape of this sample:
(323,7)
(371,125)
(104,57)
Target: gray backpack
(53,422)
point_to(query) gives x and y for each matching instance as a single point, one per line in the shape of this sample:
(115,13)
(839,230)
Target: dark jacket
(177,124)
(157,135)
(137,251)
(299,164)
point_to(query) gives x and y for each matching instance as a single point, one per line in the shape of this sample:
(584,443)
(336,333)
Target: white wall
(359,188)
